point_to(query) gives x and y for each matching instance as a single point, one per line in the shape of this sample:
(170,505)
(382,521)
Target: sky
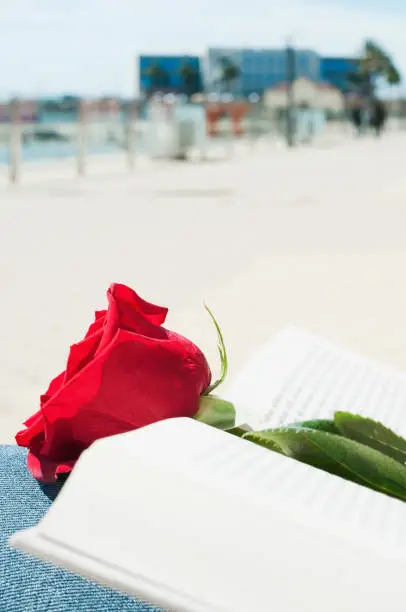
(89,47)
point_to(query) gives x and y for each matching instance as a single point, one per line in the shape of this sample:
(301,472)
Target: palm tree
(229,72)
(374,63)
(393,76)
(189,75)
(157,78)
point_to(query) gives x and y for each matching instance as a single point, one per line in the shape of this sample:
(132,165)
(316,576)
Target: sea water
(36,151)
(102,138)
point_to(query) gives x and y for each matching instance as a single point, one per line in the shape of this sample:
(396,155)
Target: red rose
(127,372)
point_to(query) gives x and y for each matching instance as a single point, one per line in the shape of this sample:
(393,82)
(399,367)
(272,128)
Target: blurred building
(4,112)
(59,110)
(306,94)
(331,98)
(395,106)
(258,69)
(338,71)
(178,74)
(23,111)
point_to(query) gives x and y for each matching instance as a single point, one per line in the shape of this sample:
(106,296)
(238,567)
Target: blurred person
(357,119)
(378,116)
(357,114)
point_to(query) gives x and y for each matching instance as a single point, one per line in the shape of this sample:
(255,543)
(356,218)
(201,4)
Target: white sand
(314,237)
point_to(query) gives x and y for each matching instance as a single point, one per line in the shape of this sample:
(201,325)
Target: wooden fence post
(81,143)
(131,136)
(14,164)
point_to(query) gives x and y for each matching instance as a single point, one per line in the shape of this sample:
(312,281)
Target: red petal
(35,426)
(45,469)
(124,313)
(99,319)
(54,386)
(81,354)
(31,420)
(127,298)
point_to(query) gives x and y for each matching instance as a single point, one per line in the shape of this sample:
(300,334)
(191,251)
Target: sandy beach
(267,237)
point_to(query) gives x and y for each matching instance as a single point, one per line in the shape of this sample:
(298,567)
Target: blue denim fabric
(29,585)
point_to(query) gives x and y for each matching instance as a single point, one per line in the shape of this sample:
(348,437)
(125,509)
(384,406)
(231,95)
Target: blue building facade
(165,73)
(259,69)
(337,70)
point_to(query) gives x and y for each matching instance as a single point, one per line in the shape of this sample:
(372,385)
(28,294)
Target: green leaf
(337,455)
(262,440)
(239,431)
(261,437)
(371,433)
(223,354)
(216,412)
(318,424)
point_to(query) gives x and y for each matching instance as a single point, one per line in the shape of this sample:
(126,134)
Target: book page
(298,377)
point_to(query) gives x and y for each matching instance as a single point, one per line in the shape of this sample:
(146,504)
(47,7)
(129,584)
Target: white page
(298,376)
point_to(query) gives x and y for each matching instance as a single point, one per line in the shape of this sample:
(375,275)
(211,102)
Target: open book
(195,519)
